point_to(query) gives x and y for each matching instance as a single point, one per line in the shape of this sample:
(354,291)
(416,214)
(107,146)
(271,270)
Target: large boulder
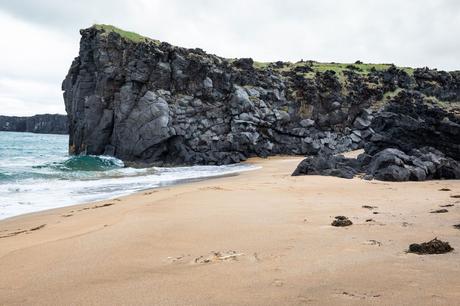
(329,165)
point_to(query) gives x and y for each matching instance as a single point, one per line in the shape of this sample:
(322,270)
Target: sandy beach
(259,238)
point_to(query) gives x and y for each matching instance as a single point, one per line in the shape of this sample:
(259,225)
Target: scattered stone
(457,196)
(457,226)
(375,212)
(446,205)
(369,207)
(370,220)
(341,221)
(439,211)
(434,246)
(444,189)
(38,227)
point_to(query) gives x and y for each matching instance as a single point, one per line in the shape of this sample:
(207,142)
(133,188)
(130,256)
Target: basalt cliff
(42,124)
(150,102)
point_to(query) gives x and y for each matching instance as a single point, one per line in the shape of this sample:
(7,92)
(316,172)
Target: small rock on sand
(434,246)
(439,211)
(341,221)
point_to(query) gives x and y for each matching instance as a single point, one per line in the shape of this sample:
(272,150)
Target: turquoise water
(36,173)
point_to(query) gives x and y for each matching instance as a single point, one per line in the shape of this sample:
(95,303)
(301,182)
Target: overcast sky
(39,39)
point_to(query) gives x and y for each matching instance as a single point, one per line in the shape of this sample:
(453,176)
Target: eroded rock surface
(412,139)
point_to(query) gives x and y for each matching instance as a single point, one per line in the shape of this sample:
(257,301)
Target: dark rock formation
(412,138)
(44,124)
(326,164)
(149,102)
(412,121)
(434,246)
(341,221)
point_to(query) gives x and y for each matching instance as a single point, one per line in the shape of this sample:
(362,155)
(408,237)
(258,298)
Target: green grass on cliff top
(361,68)
(131,36)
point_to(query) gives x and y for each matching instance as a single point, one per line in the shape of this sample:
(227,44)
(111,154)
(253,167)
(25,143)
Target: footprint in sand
(103,205)
(355,295)
(20,231)
(215,188)
(372,242)
(178,259)
(218,257)
(278,283)
(306,300)
(255,257)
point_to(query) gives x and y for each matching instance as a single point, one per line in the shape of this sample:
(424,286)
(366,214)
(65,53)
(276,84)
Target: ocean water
(36,173)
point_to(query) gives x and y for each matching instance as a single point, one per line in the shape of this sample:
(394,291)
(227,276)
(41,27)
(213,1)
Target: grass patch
(261,65)
(338,68)
(131,36)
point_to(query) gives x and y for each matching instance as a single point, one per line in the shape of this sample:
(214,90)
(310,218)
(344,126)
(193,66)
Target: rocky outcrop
(44,124)
(412,139)
(145,101)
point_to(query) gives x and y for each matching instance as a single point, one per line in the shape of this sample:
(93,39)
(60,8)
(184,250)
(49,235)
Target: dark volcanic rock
(412,121)
(329,165)
(434,246)
(411,139)
(341,221)
(45,124)
(439,211)
(149,102)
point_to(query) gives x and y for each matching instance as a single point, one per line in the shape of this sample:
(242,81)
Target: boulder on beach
(341,221)
(434,246)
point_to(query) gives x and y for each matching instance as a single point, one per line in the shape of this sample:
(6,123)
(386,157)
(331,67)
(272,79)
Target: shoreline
(260,237)
(150,181)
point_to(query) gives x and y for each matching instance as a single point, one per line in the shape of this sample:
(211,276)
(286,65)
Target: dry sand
(259,238)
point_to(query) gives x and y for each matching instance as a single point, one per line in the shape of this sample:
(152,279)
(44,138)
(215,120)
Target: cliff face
(145,101)
(44,124)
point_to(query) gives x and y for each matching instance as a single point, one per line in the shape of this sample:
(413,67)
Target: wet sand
(259,238)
